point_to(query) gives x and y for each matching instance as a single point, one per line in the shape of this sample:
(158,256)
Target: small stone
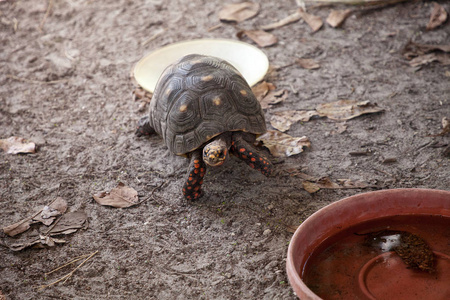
(267,232)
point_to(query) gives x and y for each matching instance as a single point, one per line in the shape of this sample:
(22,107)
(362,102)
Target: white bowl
(249,60)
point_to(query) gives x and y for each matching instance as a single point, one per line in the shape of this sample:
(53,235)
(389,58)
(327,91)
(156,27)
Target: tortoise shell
(200,97)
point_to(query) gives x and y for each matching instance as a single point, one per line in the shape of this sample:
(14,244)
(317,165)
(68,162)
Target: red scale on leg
(192,186)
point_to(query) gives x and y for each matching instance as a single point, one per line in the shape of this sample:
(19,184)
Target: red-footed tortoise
(203,108)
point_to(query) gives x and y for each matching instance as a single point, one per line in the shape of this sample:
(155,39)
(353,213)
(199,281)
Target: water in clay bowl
(391,244)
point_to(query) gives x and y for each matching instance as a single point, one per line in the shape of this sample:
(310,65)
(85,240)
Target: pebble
(267,232)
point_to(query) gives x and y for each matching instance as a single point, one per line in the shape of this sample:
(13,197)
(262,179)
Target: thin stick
(35,81)
(66,264)
(153,37)
(47,13)
(68,275)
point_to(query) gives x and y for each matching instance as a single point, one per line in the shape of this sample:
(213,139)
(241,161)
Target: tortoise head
(215,153)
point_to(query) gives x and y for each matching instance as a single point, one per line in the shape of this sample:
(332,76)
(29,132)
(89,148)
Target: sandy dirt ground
(65,84)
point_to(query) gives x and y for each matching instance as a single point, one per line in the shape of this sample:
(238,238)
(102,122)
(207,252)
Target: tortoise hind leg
(192,188)
(143,127)
(245,151)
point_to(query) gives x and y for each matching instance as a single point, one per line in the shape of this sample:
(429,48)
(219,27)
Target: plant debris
(438,16)
(283,145)
(412,249)
(314,22)
(282,120)
(288,20)
(238,12)
(260,37)
(120,196)
(260,90)
(326,183)
(347,109)
(308,63)
(45,215)
(16,145)
(274,97)
(337,17)
(421,54)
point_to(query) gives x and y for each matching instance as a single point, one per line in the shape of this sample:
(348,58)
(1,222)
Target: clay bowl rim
(403,201)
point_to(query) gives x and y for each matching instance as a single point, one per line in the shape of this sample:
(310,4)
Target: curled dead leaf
(282,145)
(337,17)
(347,109)
(260,37)
(310,187)
(438,16)
(260,90)
(69,223)
(282,120)
(121,196)
(314,22)
(238,12)
(308,63)
(274,97)
(326,183)
(16,145)
(39,242)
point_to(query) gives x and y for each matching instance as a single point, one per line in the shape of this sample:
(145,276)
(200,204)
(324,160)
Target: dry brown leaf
(347,109)
(260,37)
(274,97)
(282,120)
(49,213)
(16,145)
(121,196)
(288,20)
(314,22)
(308,63)
(412,49)
(282,145)
(310,187)
(337,17)
(69,223)
(438,17)
(39,242)
(425,59)
(19,227)
(238,12)
(260,90)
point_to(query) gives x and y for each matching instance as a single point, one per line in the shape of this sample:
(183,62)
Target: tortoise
(204,109)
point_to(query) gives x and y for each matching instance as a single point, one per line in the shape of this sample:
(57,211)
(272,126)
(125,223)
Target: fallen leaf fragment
(314,22)
(288,20)
(260,90)
(337,17)
(50,212)
(282,120)
(326,183)
(283,145)
(121,196)
(260,37)
(238,12)
(308,63)
(16,145)
(425,59)
(69,223)
(40,242)
(45,215)
(438,16)
(310,187)
(347,109)
(274,97)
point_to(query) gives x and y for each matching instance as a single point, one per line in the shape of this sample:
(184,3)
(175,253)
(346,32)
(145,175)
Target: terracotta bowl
(349,212)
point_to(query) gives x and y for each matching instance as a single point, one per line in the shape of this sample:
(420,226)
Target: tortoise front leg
(245,151)
(197,169)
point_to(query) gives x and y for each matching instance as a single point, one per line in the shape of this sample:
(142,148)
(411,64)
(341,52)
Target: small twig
(68,275)
(152,192)
(153,37)
(47,13)
(35,81)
